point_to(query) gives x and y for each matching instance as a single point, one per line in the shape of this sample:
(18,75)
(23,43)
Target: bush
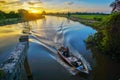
(97,19)
(107,39)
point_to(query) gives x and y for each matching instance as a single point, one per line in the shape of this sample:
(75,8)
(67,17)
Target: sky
(57,5)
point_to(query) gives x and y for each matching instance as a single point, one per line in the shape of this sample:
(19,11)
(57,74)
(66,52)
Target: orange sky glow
(37,6)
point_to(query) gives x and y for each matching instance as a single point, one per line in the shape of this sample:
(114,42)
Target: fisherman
(66,52)
(116,7)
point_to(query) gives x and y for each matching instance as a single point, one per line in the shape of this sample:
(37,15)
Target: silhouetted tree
(43,13)
(11,14)
(115,5)
(69,14)
(2,15)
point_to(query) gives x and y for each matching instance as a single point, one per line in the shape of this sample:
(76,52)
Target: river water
(9,36)
(46,64)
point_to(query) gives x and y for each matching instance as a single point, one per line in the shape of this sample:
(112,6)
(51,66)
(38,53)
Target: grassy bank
(93,20)
(15,20)
(90,20)
(96,17)
(107,39)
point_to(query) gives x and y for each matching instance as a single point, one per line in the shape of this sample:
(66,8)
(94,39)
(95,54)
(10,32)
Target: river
(46,65)
(9,36)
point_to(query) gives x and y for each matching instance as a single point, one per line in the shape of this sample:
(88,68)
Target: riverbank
(107,38)
(93,20)
(88,22)
(10,21)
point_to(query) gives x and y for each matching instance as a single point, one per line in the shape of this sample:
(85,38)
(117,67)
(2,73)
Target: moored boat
(72,61)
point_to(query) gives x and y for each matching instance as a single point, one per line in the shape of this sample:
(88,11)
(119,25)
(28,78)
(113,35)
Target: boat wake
(55,56)
(53,43)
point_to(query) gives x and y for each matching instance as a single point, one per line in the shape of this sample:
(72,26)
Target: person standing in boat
(66,52)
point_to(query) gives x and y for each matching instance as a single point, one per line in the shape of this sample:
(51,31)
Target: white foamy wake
(55,56)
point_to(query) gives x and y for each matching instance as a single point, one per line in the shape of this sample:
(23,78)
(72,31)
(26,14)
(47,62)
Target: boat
(72,61)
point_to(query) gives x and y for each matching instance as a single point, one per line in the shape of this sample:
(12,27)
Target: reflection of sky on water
(74,32)
(9,35)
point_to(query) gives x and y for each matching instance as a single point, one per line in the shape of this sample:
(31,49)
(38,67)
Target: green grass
(91,17)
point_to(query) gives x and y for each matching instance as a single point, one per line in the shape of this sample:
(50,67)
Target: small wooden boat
(73,61)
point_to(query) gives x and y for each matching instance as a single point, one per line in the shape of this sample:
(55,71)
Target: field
(98,17)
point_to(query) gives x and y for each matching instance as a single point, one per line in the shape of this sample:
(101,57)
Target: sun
(34,11)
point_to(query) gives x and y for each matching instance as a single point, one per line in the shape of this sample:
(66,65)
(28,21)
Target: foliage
(113,3)
(2,15)
(113,34)
(97,17)
(107,39)
(43,13)
(13,17)
(26,16)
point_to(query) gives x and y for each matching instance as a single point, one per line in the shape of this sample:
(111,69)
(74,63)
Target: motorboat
(72,61)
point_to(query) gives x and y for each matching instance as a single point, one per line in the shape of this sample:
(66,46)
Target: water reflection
(9,36)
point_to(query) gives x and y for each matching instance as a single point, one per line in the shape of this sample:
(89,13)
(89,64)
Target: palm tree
(115,5)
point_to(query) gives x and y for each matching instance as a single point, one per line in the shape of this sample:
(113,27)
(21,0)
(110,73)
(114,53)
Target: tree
(24,14)
(11,14)
(108,38)
(69,14)
(115,5)
(2,15)
(43,13)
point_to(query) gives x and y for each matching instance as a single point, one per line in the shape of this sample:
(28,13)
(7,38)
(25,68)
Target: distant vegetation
(9,18)
(26,16)
(91,19)
(97,17)
(15,17)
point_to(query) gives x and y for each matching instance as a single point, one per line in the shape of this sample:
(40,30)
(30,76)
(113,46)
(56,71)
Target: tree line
(12,14)
(20,16)
(78,13)
(21,13)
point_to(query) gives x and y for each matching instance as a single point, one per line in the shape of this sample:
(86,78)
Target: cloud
(3,2)
(16,2)
(69,3)
(31,3)
(36,2)
(36,7)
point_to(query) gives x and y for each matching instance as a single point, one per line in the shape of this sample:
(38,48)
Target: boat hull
(78,69)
